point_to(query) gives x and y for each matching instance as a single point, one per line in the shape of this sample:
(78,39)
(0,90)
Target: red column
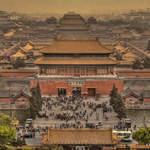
(85,70)
(56,71)
(113,70)
(107,70)
(67,70)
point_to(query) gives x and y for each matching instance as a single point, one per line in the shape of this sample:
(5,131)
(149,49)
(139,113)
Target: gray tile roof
(129,91)
(4,94)
(146,94)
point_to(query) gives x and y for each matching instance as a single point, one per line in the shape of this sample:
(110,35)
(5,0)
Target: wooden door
(91,91)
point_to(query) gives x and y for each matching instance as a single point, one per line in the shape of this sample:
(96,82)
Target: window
(71,70)
(102,70)
(61,70)
(61,91)
(91,70)
(51,71)
(82,71)
(76,70)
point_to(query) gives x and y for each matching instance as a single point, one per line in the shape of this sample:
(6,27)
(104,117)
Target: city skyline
(80,6)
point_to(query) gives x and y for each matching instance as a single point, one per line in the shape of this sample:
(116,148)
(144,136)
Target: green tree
(117,103)
(142,136)
(18,142)
(51,20)
(113,94)
(137,64)
(146,63)
(18,63)
(35,101)
(7,132)
(92,20)
(119,56)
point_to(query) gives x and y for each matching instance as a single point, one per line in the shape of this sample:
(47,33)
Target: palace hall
(74,64)
(71,67)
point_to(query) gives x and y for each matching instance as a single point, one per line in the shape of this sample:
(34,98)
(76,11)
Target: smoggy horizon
(79,6)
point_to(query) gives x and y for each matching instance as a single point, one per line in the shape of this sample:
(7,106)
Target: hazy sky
(81,6)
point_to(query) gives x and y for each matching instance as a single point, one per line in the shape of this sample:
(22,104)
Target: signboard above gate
(76,82)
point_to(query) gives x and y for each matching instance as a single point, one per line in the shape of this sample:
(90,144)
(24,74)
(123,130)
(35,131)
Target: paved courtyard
(70,112)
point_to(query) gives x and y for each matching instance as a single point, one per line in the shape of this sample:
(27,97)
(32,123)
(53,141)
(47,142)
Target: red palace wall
(4,100)
(146,100)
(129,99)
(102,87)
(15,74)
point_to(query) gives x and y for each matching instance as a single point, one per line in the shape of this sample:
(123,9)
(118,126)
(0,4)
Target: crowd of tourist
(74,111)
(70,112)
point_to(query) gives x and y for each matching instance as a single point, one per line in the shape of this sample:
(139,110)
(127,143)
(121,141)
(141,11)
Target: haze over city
(75,74)
(81,6)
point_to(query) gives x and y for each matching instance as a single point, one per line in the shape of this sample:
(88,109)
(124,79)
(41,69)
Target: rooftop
(19,54)
(79,136)
(72,18)
(146,94)
(76,47)
(127,92)
(4,94)
(74,61)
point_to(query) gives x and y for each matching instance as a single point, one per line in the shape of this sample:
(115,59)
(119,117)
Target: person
(134,127)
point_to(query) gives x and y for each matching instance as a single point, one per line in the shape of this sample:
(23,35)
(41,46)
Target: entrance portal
(76,91)
(91,91)
(61,91)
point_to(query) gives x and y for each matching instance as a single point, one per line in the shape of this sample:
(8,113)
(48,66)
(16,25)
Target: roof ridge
(83,129)
(76,40)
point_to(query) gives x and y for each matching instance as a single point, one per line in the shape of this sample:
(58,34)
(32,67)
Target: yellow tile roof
(76,47)
(125,62)
(131,55)
(37,53)
(9,34)
(4,61)
(18,54)
(27,47)
(146,32)
(75,61)
(79,136)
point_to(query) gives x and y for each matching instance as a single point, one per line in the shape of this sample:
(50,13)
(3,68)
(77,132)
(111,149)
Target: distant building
(5,97)
(148,45)
(146,97)
(38,45)
(14,99)
(18,73)
(5,63)
(72,22)
(134,73)
(19,55)
(51,20)
(92,20)
(126,36)
(146,34)
(131,96)
(72,26)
